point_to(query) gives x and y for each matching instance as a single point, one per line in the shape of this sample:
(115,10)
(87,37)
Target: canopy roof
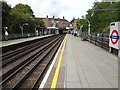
(52,28)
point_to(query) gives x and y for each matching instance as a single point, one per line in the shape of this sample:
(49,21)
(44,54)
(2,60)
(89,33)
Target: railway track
(15,54)
(27,70)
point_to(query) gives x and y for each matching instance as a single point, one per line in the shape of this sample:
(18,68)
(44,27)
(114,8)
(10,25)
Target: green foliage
(40,23)
(24,9)
(17,16)
(84,23)
(5,15)
(101,15)
(22,14)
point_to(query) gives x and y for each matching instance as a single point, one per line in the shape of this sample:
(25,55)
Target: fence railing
(101,40)
(17,36)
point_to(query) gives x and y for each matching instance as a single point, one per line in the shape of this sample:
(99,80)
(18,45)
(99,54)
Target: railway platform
(16,41)
(80,64)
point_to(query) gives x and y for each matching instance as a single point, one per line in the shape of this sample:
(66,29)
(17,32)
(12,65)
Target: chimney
(73,18)
(63,17)
(53,17)
(58,19)
(47,16)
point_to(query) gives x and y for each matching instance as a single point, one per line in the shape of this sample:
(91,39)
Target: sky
(57,8)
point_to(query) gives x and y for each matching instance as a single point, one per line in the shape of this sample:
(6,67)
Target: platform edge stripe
(50,68)
(55,78)
(23,40)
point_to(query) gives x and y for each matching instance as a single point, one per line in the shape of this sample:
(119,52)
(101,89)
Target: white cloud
(58,8)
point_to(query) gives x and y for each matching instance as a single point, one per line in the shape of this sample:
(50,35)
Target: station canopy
(52,28)
(67,28)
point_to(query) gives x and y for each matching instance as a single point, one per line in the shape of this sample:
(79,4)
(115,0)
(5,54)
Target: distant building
(74,22)
(63,23)
(56,22)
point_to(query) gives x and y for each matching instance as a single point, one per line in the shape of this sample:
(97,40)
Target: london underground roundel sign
(114,36)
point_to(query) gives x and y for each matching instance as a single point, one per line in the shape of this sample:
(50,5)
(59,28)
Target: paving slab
(89,66)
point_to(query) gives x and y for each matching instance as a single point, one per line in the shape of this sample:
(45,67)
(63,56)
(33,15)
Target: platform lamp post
(89,31)
(36,31)
(81,29)
(6,33)
(5,30)
(57,25)
(22,28)
(88,26)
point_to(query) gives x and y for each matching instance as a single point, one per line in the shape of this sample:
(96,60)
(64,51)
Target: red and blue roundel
(114,36)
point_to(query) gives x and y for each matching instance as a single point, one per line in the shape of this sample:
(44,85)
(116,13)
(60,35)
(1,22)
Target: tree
(102,14)
(5,15)
(40,23)
(22,14)
(84,23)
(16,17)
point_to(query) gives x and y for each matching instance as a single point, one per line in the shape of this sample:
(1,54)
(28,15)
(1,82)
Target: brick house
(57,22)
(74,22)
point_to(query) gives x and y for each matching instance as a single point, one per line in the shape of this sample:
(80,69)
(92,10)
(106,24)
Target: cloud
(57,8)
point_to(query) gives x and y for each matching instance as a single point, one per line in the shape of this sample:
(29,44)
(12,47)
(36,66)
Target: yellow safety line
(55,78)
(8,44)
(13,43)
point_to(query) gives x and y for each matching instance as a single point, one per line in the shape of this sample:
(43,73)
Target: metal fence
(101,40)
(16,36)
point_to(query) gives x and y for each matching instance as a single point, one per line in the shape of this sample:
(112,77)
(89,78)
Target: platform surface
(89,66)
(84,65)
(15,41)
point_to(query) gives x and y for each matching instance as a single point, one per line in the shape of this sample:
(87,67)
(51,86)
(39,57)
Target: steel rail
(16,51)
(7,74)
(26,51)
(16,86)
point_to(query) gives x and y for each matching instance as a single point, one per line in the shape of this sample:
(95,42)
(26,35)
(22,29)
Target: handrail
(100,40)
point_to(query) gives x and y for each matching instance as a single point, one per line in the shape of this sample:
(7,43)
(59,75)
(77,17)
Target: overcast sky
(57,8)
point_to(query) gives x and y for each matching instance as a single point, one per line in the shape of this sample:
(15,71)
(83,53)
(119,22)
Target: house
(60,24)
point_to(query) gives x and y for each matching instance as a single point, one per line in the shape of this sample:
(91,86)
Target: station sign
(114,36)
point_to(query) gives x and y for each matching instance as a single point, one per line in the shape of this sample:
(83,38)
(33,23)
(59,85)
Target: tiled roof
(62,23)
